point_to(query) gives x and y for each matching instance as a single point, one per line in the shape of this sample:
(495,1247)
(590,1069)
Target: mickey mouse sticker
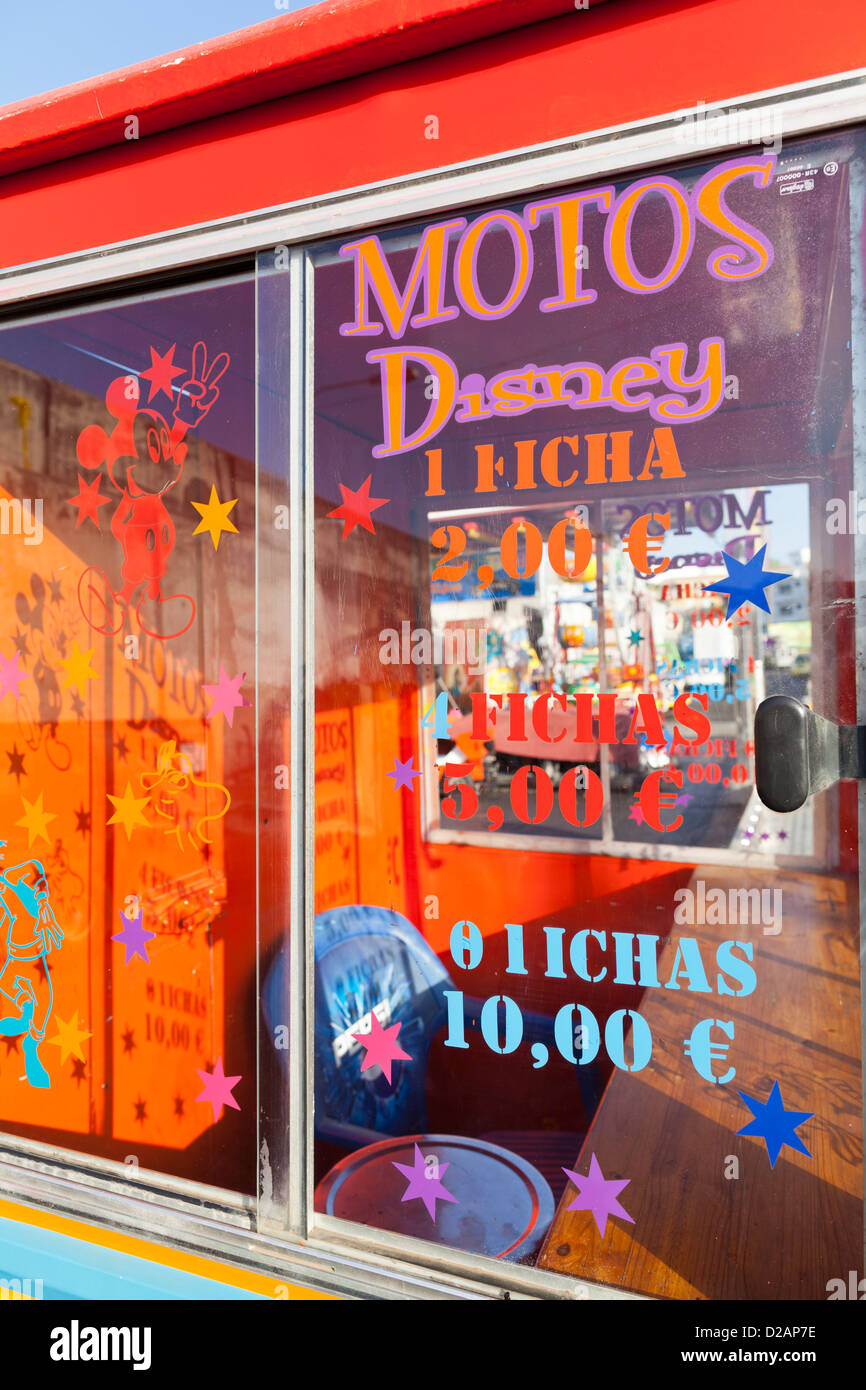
(144,457)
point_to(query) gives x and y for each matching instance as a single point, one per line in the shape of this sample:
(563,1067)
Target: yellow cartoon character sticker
(185,801)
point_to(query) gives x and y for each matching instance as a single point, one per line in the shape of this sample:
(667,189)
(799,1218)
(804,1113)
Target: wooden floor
(779,1233)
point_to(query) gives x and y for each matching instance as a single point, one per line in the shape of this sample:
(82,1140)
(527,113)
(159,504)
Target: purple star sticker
(134,938)
(598,1194)
(403,774)
(425,1182)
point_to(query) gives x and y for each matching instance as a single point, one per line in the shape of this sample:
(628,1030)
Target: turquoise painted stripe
(75,1269)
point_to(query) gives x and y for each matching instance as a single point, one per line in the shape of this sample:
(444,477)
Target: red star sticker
(88,501)
(160,372)
(356,507)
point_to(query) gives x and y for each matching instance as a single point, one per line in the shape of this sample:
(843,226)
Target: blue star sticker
(775,1124)
(634,637)
(746,583)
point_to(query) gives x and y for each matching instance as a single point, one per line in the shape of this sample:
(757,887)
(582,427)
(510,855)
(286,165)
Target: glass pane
(129,723)
(581,1000)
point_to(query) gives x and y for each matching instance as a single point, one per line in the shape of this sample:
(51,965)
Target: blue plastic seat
(367,958)
(373,958)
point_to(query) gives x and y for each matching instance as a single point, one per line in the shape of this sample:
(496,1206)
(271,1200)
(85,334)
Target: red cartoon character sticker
(144,457)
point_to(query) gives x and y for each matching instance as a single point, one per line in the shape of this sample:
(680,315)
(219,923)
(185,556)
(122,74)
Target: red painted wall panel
(295,52)
(619,62)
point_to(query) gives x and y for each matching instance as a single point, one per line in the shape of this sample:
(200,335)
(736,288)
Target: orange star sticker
(69,1038)
(128,811)
(356,507)
(78,668)
(215,517)
(35,820)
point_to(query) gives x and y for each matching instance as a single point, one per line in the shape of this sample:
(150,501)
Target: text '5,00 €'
(590,726)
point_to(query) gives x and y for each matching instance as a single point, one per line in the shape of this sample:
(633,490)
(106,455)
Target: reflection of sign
(167,1024)
(336,843)
(331,774)
(186,904)
(346,1044)
(502,586)
(168,1015)
(708,512)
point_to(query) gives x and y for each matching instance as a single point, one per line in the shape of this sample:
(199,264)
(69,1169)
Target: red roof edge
(333,40)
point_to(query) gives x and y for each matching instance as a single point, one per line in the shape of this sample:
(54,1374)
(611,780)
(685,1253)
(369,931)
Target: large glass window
(583,486)
(130,889)
(583,492)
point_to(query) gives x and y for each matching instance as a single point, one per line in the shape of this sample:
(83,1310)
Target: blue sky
(54,42)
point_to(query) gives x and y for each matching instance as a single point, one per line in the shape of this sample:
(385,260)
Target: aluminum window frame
(307,1248)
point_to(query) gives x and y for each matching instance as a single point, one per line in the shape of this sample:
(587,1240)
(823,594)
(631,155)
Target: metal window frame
(321,1252)
(858,413)
(805,107)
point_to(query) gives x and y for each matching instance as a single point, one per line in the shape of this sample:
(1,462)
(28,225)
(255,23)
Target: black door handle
(798,752)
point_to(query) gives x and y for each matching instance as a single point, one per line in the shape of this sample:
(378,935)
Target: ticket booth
(425,447)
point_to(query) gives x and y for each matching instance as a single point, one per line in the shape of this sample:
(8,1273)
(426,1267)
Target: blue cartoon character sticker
(30,929)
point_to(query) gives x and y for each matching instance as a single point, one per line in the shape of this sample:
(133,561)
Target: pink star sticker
(226,695)
(636,814)
(381,1047)
(218,1089)
(598,1194)
(11,677)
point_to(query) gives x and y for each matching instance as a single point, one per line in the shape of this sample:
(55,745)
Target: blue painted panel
(75,1269)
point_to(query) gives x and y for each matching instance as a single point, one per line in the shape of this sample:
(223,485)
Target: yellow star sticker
(78,668)
(215,517)
(127,811)
(69,1038)
(35,820)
